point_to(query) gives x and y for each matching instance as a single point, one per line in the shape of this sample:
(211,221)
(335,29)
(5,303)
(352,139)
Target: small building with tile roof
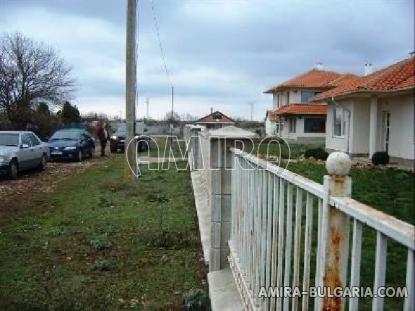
(296,119)
(215,120)
(374,113)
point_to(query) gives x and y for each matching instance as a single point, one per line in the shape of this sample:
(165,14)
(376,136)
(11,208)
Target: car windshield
(66,135)
(8,139)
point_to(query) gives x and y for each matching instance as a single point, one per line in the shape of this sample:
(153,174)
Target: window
(7,139)
(291,125)
(34,140)
(306,95)
(277,128)
(314,125)
(338,122)
(26,140)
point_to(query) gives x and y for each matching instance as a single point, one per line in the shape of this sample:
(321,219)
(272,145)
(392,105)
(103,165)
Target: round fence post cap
(338,163)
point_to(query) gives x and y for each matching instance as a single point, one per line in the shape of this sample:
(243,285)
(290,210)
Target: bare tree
(30,70)
(172,117)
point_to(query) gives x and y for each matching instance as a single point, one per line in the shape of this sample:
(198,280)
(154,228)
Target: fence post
(334,253)
(221,168)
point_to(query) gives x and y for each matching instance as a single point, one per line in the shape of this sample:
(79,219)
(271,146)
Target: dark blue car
(71,144)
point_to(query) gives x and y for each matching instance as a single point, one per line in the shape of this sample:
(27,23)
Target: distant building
(374,113)
(215,120)
(296,119)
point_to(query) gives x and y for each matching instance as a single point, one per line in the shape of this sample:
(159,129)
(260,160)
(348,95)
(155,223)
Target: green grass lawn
(388,190)
(98,243)
(272,148)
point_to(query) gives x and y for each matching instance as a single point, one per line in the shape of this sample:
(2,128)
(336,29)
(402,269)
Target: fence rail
(274,242)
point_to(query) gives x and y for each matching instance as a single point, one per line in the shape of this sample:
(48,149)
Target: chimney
(319,66)
(211,109)
(368,69)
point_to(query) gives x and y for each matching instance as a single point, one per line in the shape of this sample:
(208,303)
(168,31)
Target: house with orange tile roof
(373,113)
(294,118)
(215,120)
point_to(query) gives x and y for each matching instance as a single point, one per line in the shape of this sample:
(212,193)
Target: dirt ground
(14,192)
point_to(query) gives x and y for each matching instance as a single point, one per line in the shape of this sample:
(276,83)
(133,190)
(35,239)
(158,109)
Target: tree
(69,114)
(30,71)
(172,118)
(43,108)
(189,117)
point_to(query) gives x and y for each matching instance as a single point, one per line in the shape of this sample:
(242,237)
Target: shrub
(100,243)
(380,158)
(196,300)
(58,231)
(104,265)
(105,202)
(109,230)
(317,153)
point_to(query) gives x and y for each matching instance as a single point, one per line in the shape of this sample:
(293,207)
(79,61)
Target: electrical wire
(162,52)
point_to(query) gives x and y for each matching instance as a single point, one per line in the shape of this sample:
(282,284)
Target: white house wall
(333,142)
(401,135)
(293,98)
(360,126)
(269,127)
(300,136)
(274,100)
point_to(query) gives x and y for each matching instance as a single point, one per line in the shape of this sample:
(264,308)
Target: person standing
(103,137)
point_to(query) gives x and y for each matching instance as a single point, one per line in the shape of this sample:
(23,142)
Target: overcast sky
(221,53)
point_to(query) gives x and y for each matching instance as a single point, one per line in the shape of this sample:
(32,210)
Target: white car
(21,150)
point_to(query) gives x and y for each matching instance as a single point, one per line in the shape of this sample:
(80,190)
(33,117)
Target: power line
(162,52)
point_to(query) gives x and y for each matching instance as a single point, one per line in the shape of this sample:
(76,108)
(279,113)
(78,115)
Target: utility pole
(148,108)
(131,84)
(172,116)
(252,110)
(172,100)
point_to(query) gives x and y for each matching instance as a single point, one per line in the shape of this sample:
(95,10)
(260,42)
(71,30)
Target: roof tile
(300,109)
(316,79)
(395,77)
(216,117)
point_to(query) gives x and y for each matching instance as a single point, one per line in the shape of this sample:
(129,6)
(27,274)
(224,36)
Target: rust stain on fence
(332,277)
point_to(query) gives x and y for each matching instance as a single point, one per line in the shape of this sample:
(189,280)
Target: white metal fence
(274,242)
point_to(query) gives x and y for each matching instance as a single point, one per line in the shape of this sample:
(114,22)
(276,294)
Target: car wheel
(113,150)
(79,156)
(13,170)
(43,163)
